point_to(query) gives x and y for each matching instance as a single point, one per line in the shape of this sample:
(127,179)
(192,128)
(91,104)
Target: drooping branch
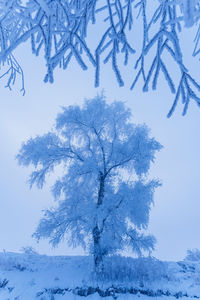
(59,31)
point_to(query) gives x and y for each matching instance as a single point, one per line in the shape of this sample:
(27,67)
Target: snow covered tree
(104,196)
(58,29)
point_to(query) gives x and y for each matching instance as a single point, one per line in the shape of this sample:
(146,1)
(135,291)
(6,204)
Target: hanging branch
(165,40)
(58,29)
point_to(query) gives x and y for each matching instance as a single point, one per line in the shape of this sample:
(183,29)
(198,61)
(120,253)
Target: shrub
(193,255)
(127,269)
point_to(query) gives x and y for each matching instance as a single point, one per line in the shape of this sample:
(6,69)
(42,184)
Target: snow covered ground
(32,276)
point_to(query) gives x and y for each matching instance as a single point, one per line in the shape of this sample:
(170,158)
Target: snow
(29,277)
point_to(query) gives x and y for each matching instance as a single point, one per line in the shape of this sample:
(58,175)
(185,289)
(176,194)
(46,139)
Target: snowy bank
(32,276)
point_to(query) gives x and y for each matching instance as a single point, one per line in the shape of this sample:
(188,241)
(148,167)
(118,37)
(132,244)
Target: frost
(97,208)
(60,31)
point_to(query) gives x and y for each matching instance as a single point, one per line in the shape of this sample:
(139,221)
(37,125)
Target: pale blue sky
(175,219)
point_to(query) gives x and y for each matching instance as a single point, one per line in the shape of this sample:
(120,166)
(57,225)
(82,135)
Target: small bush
(193,255)
(19,267)
(29,250)
(126,269)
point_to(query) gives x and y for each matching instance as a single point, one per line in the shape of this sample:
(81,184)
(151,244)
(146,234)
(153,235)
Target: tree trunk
(98,256)
(101,189)
(96,233)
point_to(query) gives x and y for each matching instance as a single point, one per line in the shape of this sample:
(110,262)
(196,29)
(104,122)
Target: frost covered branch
(59,30)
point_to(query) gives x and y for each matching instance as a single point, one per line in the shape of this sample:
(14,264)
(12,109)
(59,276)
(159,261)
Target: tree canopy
(104,196)
(59,30)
